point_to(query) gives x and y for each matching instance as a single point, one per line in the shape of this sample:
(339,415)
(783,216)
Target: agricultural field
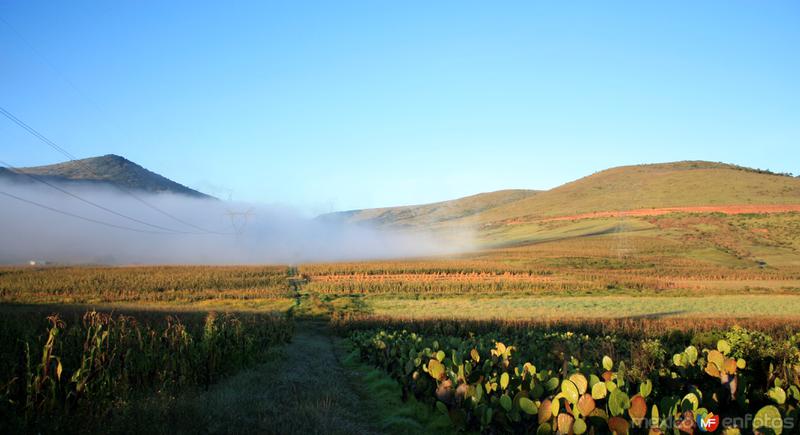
(644,324)
(82,348)
(79,369)
(388,218)
(235,287)
(633,324)
(674,265)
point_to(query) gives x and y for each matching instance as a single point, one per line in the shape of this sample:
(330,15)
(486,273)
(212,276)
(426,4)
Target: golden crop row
(141,283)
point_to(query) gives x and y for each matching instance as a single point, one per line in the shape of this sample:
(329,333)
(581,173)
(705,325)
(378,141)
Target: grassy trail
(302,388)
(313,385)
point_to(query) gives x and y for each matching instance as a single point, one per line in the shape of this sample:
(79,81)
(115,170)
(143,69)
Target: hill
(692,183)
(110,170)
(676,184)
(433,214)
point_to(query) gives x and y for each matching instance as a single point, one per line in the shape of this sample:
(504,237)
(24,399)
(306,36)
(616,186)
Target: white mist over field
(268,235)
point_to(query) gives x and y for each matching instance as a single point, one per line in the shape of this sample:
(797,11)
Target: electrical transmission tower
(239,220)
(625,246)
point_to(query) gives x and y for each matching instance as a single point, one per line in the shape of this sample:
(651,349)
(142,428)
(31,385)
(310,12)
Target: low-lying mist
(269,234)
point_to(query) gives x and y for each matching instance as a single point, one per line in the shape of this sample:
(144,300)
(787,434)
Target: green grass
(301,389)
(589,307)
(392,414)
(268,304)
(715,255)
(542,232)
(314,385)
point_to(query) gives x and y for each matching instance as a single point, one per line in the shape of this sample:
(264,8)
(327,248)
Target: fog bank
(269,234)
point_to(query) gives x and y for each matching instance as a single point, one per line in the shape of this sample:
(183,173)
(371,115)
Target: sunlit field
(400,218)
(703,307)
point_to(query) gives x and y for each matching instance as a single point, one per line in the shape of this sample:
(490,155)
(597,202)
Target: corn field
(73,367)
(141,283)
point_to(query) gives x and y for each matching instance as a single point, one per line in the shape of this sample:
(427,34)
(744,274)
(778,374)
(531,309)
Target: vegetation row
(78,369)
(554,380)
(141,283)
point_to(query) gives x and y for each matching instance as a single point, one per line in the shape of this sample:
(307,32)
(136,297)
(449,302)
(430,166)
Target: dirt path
(302,389)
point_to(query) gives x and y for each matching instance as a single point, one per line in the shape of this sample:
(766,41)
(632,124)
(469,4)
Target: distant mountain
(676,184)
(109,170)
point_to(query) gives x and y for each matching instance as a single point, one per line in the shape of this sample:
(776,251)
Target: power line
(74,159)
(93,204)
(99,222)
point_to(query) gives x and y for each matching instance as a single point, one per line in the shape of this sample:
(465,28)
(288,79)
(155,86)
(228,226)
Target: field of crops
(592,377)
(670,255)
(142,284)
(640,331)
(75,369)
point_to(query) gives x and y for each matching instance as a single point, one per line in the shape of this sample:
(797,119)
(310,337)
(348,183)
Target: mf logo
(707,422)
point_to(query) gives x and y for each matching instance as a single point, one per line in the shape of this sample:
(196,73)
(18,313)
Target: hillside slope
(690,183)
(677,184)
(110,169)
(433,214)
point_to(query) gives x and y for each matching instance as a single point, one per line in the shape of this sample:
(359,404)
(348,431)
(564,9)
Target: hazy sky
(337,105)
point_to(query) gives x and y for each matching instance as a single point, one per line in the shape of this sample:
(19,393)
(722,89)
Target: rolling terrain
(636,264)
(716,211)
(677,184)
(684,229)
(434,214)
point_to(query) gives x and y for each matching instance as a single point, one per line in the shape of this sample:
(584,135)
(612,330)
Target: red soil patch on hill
(726,209)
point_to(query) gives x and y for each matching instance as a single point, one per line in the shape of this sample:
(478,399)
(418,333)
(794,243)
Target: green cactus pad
(579,426)
(768,421)
(569,391)
(506,402)
(691,354)
(528,406)
(551,384)
(777,394)
(435,369)
(618,402)
(690,402)
(646,388)
(599,391)
(544,429)
(580,381)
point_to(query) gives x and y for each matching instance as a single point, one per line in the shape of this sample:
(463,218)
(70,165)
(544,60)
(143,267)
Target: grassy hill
(104,170)
(692,183)
(433,214)
(689,183)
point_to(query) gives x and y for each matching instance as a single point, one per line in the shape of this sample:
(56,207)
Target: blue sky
(337,105)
